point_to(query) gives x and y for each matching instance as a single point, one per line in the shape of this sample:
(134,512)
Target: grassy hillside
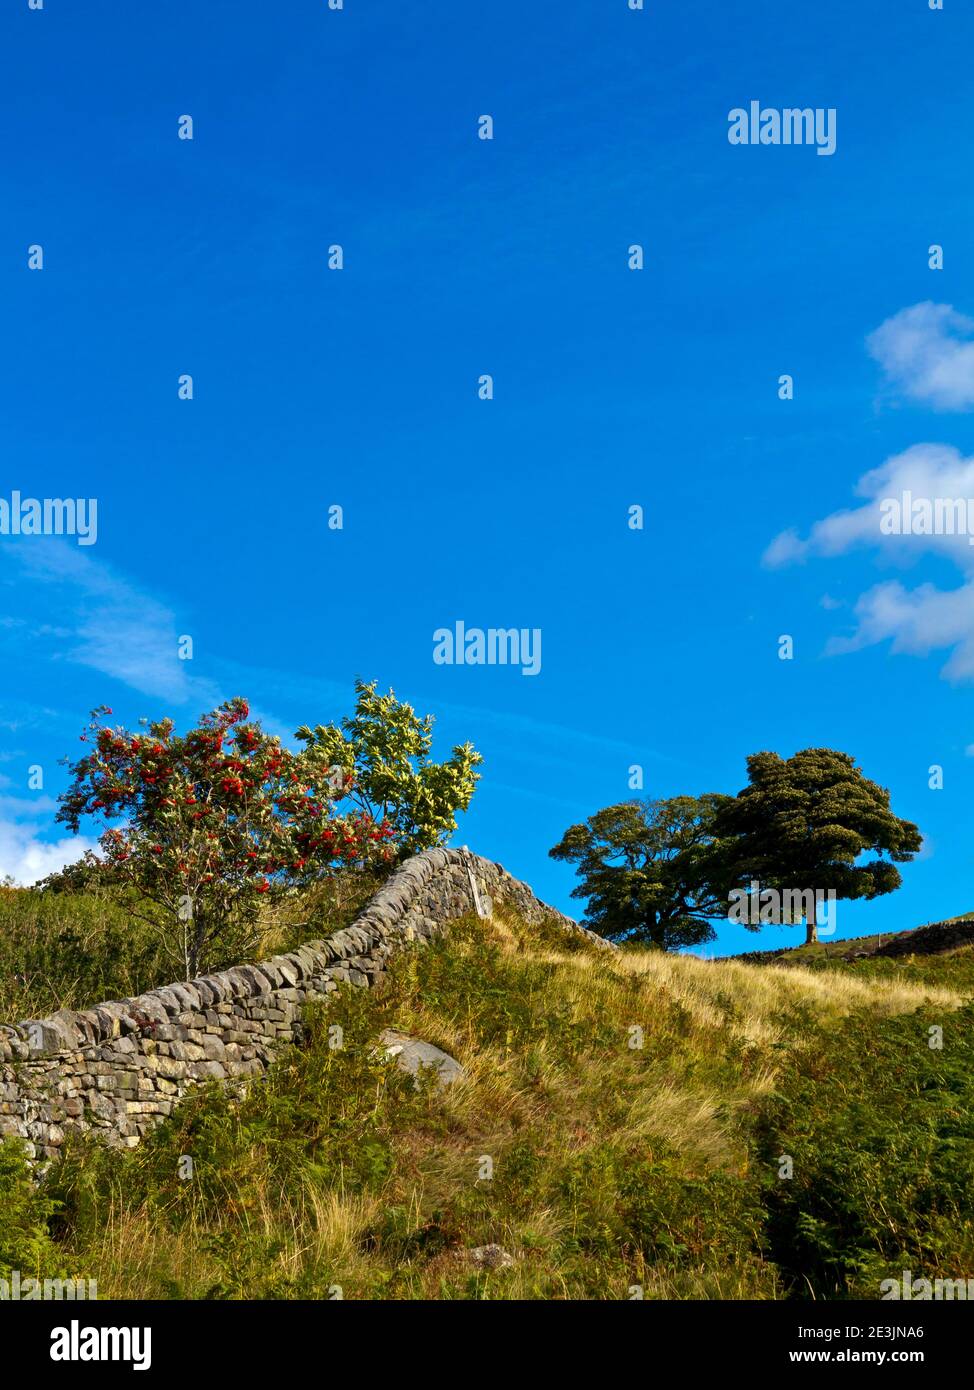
(613,1165)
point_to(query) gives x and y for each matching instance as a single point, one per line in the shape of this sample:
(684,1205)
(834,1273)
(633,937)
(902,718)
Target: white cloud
(927,352)
(786,548)
(917,622)
(920,620)
(27,859)
(24,856)
(925,471)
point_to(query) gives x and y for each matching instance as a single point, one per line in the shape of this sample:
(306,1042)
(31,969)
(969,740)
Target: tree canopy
(379,761)
(659,871)
(645,869)
(802,823)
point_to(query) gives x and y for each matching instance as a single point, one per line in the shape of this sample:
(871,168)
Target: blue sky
(612,387)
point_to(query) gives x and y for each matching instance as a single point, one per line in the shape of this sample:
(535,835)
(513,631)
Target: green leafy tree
(378,760)
(645,869)
(802,823)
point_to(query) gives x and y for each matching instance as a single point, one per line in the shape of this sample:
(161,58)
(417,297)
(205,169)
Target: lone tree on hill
(802,823)
(645,868)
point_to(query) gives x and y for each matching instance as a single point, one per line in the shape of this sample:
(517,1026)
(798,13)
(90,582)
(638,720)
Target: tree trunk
(811,925)
(195,937)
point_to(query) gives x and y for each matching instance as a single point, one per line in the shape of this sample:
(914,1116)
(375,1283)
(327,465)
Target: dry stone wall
(120,1067)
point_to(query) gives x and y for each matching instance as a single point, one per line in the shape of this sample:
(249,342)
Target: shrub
(25,1244)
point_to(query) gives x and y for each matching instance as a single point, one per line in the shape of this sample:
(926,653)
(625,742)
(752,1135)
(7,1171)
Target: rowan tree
(206,824)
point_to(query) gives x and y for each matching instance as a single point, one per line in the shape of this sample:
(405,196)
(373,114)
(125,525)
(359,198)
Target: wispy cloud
(96,618)
(927,353)
(544,740)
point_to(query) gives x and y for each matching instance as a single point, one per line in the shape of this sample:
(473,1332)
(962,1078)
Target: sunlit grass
(622,1099)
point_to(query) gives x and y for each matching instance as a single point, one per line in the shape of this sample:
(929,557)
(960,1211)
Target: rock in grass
(412,1055)
(490,1257)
